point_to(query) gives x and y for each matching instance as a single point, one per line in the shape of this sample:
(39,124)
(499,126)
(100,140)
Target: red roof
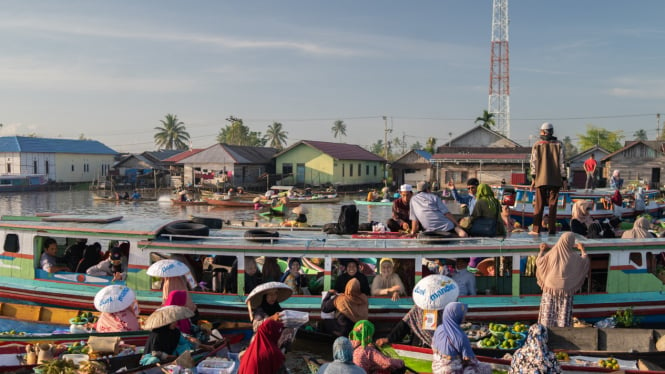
(182,155)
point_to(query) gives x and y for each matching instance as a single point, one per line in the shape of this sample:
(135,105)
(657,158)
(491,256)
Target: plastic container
(216,366)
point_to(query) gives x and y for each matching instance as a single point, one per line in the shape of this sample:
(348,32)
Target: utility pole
(658,137)
(385,137)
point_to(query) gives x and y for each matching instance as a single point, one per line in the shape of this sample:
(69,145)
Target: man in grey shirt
(464,279)
(429,212)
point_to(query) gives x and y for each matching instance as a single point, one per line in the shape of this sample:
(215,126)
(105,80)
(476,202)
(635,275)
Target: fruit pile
(505,336)
(489,342)
(12,333)
(520,327)
(562,356)
(510,340)
(76,348)
(610,363)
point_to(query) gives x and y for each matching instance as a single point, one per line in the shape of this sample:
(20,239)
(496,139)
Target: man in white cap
(427,211)
(548,175)
(400,220)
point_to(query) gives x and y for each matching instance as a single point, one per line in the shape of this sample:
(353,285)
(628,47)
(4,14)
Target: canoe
(620,274)
(373,203)
(189,202)
(230,203)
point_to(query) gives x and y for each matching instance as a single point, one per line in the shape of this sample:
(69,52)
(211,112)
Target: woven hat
(484,264)
(166,315)
(114,298)
(167,268)
(255,297)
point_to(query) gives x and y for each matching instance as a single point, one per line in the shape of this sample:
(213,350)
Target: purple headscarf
(449,339)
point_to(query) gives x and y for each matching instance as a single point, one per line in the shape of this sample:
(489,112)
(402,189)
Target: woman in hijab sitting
(351,271)
(560,273)
(342,359)
(488,206)
(452,349)
(365,354)
(535,357)
(640,229)
(581,217)
(122,320)
(293,278)
(387,283)
(351,307)
(263,355)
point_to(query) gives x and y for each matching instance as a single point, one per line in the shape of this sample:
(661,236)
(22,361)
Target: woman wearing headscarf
(411,324)
(535,357)
(452,353)
(270,307)
(560,273)
(640,200)
(365,353)
(640,229)
(387,283)
(351,270)
(124,320)
(488,206)
(263,355)
(581,218)
(342,359)
(271,271)
(293,278)
(349,307)
(616,181)
(179,297)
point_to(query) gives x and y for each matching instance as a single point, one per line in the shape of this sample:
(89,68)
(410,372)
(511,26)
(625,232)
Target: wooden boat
(230,203)
(372,203)
(116,199)
(620,275)
(188,202)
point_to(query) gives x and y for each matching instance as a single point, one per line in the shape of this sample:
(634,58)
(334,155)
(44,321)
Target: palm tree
(640,134)
(172,134)
(339,128)
(486,120)
(276,136)
(430,145)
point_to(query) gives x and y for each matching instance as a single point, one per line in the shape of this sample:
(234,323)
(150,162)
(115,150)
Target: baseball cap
(406,188)
(422,186)
(546,126)
(116,254)
(472,182)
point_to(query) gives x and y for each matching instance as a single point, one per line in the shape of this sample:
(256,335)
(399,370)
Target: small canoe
(189,202)
(371,203)
(230,203)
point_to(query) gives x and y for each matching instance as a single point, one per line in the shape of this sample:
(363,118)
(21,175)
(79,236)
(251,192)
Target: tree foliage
(338,128)
(640,135)
(172,134)
(238,134)
(276,136)
(610,140)
(430,146)
(569,148)
(486,120)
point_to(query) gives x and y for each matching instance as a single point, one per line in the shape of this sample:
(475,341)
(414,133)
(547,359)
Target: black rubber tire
(261,235)
(213,223)
(187,228)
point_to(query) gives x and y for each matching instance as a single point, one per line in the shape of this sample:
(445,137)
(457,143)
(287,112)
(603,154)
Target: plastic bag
(605,323)
(293,318)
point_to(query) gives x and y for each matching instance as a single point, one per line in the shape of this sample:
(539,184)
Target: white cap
(406,188)
(546,126)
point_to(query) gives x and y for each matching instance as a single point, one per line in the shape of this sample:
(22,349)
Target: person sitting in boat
(560,273)
(464,279)
(508,222)
(373,195)
(185,325)
(271,270)
(301,218)
(640,229)
(366,355)
(122,320)
(253,276)
(269,295)
(385,194)
(486,268)
(351,272)
(136,195)
(342,359)
(387,283)
(183,195)
(488,206)
(535,356)
(294,278)
(452,352)
(400,210)
(616,181)
(179,283)
(640,201)
(49,260)
(470,198)
(581,217)
(263,355)
(74,253)
(349,307)
(427,211)
(111,266)
(411,324)
(92,255)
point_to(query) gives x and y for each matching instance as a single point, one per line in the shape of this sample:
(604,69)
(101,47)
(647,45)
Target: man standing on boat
(590,168)
(548,175)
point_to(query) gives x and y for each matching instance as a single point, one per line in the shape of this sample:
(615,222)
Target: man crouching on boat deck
(48,260)
(427,209)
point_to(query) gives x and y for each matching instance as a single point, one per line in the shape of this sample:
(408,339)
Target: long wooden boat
(373,203)
(116,199)
(620,275)
(189,202)
(230,203)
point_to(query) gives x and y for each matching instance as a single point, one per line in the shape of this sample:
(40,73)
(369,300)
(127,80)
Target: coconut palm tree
(172,134)
(276,136)
(430,145)
(640,134)
(486,120)
(339,128)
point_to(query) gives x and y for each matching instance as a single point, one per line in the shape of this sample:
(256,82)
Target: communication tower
(499,99)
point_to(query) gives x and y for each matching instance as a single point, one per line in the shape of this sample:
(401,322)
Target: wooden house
(413,167)
(577,175)
(639,161)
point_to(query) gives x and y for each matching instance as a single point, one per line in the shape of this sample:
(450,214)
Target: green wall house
(316,163)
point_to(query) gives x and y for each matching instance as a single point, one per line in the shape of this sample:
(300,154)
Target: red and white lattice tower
(499,100)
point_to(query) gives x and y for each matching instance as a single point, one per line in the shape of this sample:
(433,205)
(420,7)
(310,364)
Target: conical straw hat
(166,315)
(256,296)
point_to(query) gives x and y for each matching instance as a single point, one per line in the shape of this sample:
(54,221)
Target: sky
(112,70)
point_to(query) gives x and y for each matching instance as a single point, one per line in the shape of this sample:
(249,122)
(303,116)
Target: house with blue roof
(59,160)
(412,167)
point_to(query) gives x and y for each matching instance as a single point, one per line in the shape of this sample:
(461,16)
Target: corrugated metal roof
(53,145)
(239,153)
(185,154)
(339,151)
(424,154)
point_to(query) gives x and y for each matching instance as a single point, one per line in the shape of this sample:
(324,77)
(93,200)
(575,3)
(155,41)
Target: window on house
(375,170)
(287,169)
(359,169)
(343,170)
(72,167)
(350,170)
(46,166)
(9,168)
(366,169)
(34,167)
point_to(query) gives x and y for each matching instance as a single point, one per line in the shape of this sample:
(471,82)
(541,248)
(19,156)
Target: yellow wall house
(316,163)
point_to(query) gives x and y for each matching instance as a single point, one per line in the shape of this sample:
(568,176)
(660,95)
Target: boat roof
(89,225)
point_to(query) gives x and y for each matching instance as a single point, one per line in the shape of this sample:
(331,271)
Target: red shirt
(590,165)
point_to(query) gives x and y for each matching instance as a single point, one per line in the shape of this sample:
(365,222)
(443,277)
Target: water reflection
(82,202)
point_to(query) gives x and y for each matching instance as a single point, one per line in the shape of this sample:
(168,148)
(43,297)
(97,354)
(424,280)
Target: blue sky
(111,70)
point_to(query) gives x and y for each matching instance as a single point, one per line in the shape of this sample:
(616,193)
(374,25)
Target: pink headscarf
(124,320)
(179,297)
(581,211)
(177,283)
(561,270)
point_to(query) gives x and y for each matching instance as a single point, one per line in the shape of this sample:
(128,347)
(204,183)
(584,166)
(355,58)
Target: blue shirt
(469,199)
(431,212)
(466,282)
